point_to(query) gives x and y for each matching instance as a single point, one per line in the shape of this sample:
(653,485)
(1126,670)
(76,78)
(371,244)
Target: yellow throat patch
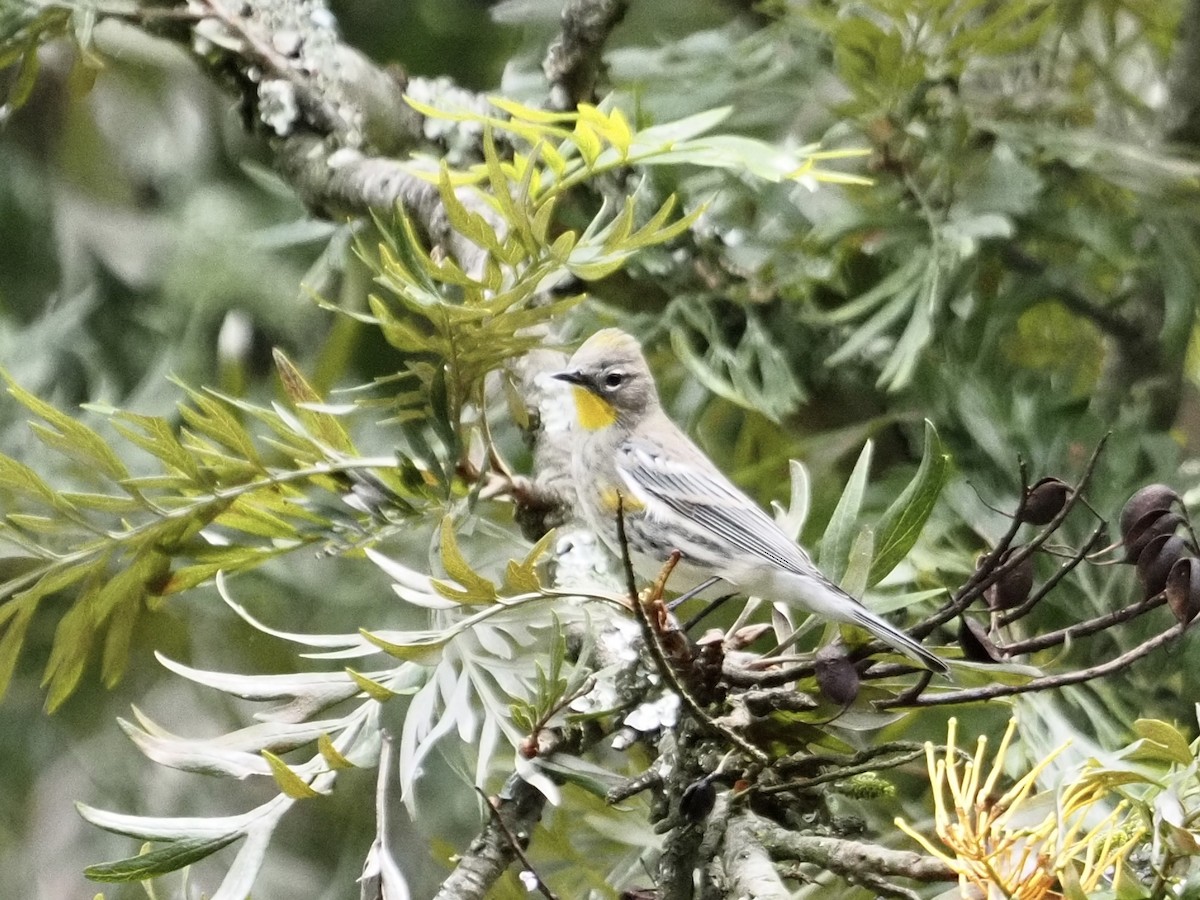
(594,412)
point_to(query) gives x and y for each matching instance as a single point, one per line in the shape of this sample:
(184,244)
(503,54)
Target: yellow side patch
(610,495)
(594,412)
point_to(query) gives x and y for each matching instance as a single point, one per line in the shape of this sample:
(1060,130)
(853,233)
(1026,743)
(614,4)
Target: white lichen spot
(277,105)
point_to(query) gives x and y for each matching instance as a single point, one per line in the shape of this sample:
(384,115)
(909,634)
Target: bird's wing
(708,503)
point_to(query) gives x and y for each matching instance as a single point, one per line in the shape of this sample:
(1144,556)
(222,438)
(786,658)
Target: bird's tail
(859,615)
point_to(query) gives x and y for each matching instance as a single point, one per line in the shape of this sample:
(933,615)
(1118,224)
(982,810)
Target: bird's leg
(698,589)
(711,607)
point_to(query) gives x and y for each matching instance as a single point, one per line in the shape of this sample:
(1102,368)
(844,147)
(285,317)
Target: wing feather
(696,491)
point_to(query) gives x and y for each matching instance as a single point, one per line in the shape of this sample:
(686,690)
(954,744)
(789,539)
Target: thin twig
(1083,629)
(989,571)
(991,691)
(1065,569)
(805,784)
(660,659)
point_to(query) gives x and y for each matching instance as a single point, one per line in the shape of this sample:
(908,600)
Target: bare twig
(991,568)
(874,765)
(1083,629)
(1063,570)
(991,691)
(1111,323)
(654,645)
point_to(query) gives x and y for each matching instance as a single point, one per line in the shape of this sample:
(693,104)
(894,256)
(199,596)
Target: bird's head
(611,380)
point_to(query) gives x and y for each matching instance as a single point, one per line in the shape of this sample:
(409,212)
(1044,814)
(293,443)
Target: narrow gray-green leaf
(171,858)
(901,524)
(840,533)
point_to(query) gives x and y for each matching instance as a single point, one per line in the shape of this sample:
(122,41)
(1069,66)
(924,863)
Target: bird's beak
(571,377)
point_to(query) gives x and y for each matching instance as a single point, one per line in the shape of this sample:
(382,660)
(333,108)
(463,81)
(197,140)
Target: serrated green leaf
(522,576)
(469,224)
(324,426)
(38,524)
(289,782)
(110,503)
(72,437)
(12,640)
(117,638)
(900,526)
(213,419)
(840,533)
(17,476)
(69,653)
(419,649)
(156,436)
(171,858)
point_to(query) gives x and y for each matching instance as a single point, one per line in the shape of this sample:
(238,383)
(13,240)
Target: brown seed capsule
(1183,588)
(1011,588)
(1045,500)
(1156,523)
(1156,560)
(1152,498)
(975,643)
(697,800)
(836,676)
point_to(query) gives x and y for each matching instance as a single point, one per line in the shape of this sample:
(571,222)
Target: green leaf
(12,640)
(70,436)
(171,858)
(370,687)
(475,588)
(522,576)
(858,567)
(69,653)
(1165,735)
(839,534)
(900,526)
(332,756)
(324,426)
(289,782)
(19,477)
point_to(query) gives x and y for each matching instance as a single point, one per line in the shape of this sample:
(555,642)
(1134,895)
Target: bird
(630,460)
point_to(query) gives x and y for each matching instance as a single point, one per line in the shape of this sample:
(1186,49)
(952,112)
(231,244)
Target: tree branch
(573,62)
(850,859)
(991,691)
(748,867)
(516,813)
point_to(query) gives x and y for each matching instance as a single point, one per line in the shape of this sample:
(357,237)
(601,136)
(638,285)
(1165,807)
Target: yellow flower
(1003,847)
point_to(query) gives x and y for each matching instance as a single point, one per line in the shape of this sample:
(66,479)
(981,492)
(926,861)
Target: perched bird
(674,498)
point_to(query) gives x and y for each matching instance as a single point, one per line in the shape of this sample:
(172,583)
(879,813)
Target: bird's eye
(614,379)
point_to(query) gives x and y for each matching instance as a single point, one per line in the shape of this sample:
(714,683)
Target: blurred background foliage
(1023,271)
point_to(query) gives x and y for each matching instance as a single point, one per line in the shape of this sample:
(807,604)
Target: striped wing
(698,499)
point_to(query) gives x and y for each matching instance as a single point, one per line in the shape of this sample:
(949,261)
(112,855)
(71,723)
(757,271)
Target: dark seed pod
(1013,587)
(976,645)
(1156,560)
(1152,498)
(1154,524)
(1045,500)
(1183,588)
(697,800)
(836,676)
